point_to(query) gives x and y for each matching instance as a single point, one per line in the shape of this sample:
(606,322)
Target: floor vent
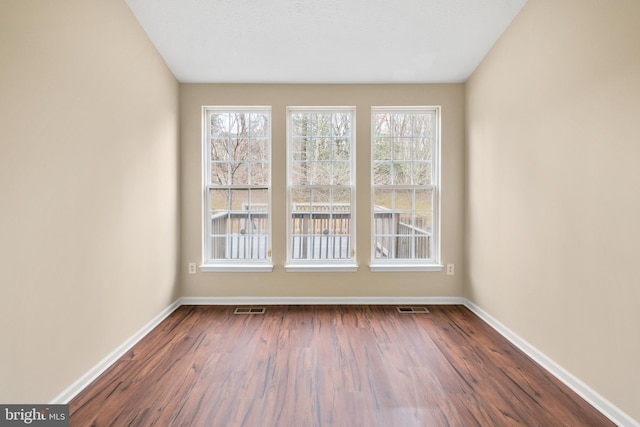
(412,310)
(249,310)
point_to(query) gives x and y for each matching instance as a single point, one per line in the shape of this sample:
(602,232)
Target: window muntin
(237,185)
(405,175)
(321,202)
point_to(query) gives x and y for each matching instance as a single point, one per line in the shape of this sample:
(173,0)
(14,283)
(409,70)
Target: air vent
(412,310)
(249,310)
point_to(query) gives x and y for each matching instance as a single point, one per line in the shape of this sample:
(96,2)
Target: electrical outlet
(450,269)
(192,268)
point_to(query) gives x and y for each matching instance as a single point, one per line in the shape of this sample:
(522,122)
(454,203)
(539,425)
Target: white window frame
(322,265)
(410,264)
(232,265)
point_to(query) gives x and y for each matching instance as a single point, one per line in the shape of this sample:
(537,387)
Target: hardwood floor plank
(327,366)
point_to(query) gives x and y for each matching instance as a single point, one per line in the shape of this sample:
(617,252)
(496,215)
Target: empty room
(320,213)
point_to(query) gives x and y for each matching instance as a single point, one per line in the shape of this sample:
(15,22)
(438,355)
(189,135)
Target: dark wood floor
(345,366)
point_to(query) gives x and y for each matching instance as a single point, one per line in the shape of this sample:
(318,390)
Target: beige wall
(552,222)
(363,282)
(88,169)
(89,173)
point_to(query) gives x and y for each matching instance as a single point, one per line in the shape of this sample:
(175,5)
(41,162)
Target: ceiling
(324,41)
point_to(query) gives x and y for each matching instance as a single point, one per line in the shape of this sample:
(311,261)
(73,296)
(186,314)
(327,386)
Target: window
(321,203)
(405,175)
(237,188)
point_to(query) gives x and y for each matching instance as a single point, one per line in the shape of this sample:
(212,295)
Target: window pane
(383,199)
(300,148)
(238,149)
(260,173)
(300,199)
(341,173)
(422,124)
(239,173)
(342,124)
(382,173)
(341,149)
(239,125)
(423,222)
(220,173)
(219,206)
(219,200)
(259,125)
(405,223)
(320,149)
(300,173)
(403,200)
(219,149)
(320,200)
(403,247)
(339,243)
(321,173)
(403,149)
(301,124)
(259,200)
(422,235)
(382,125)
(239,200)
(341,199)
(401,173)
(256,234)
(422,149)
(401,125)
(322,124)
(424,200)
(382,149)
(259,149)
(422,173)
(384,221)
(300,222)
(220,124)
(240,228)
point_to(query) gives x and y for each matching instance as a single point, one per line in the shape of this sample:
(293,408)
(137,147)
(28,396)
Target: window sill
(375,268)
(321,268)
(236,268)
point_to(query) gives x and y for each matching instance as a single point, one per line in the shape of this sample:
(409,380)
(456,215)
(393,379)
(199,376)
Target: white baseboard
(594,399)
(319,300)
(75,388)
(597,401)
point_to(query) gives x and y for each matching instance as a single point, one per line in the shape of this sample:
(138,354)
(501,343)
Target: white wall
(553,168)
(89,205)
